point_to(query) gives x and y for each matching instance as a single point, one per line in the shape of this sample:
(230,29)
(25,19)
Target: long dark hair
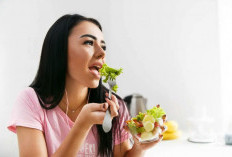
(49,83)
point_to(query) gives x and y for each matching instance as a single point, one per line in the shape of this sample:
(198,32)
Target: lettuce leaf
(156,112)
(115,88)
(132,127)
(140,116)
(140,129)
(110,73)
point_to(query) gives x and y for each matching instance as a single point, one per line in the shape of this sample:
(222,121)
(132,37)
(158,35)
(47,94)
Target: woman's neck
(77,95)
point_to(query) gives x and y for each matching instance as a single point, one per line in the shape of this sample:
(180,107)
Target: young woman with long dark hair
(62,111)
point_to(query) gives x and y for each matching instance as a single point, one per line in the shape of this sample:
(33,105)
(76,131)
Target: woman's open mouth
(95,71)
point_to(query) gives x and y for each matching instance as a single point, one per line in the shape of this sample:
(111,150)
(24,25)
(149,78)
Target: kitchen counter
(183,148)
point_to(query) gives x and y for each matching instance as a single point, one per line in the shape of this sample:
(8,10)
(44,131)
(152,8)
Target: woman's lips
(95,72)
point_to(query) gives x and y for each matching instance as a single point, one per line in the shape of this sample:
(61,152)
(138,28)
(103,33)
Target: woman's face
(86,54)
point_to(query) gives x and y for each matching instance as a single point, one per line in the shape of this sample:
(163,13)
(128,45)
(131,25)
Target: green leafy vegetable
(156,112)
(140,129)
(132,127)
(110,73)
(135,129)
(115,88)
(140,116)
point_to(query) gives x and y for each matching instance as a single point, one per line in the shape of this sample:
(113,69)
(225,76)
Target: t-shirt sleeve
(26,112)
(124,116)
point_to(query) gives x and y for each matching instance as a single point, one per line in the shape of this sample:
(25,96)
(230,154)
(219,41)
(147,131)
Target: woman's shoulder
(28,97)
(27,111)
(27,93)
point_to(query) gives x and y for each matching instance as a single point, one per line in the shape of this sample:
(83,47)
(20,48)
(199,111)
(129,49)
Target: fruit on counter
(172,135)
(172,131)
(171,125)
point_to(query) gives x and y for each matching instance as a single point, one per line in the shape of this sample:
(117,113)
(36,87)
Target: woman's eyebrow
(91,36)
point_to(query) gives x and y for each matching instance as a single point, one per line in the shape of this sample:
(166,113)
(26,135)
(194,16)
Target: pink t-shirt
(54,123)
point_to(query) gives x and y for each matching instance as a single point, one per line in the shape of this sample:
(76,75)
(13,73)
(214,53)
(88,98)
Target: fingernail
(106,105)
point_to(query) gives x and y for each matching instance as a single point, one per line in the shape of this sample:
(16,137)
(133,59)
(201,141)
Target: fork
(107,122)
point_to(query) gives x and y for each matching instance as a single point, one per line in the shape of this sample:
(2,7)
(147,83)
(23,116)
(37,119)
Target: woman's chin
(94,84)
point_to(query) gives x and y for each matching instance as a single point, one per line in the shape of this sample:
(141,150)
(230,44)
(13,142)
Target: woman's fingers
(136,141)
(113,108)
(154,142)
(93,113)
(97,107)
(114,99)
(98,117)
(163,128)
(146,146)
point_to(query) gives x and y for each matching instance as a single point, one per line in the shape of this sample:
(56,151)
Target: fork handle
(110,93)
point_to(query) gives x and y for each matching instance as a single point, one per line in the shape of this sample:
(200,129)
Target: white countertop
(183,148)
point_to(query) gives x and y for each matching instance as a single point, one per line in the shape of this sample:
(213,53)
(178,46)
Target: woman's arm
(126,150)
(73,141)
(32,142)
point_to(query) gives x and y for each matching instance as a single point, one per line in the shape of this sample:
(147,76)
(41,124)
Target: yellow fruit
(146,135)
(171,126)
(171,136)
(148,126)
(149,118)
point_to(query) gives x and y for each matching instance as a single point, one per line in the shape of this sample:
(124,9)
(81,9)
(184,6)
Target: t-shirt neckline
(64,115)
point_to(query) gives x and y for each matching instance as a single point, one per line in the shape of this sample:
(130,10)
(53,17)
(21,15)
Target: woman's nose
(99,52)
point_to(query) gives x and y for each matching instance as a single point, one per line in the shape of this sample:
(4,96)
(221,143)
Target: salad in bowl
(147,127)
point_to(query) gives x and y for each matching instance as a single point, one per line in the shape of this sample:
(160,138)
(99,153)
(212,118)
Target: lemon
(146,135)
(148,126)
(149,118)
(172,135)
(171,125)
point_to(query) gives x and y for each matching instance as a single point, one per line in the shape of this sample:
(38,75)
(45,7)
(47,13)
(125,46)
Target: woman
(61,112)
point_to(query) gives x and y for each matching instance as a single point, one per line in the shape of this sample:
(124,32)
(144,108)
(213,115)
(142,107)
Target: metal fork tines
(107,122)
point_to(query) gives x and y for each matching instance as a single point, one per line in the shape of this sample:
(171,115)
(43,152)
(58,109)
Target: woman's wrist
(135,151)
(82,126)
(138,149)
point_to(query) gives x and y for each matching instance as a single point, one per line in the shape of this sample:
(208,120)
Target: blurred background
(175,53)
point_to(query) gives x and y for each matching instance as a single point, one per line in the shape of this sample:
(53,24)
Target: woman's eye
(104,48)
(88,42)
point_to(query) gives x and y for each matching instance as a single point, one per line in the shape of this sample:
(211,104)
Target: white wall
(169,50)
(170,53)
(225,25)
